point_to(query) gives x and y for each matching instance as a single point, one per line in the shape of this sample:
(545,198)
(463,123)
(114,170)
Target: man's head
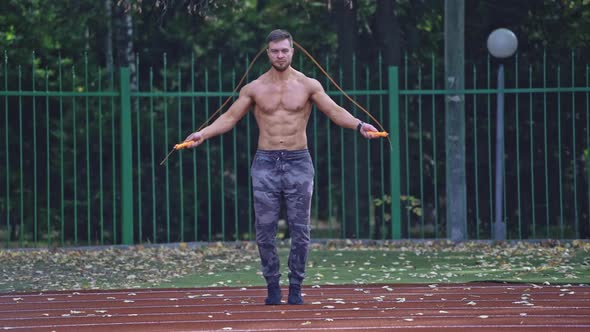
(280,49)
(278,35)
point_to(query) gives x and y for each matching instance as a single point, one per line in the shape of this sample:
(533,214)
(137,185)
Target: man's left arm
(339,115)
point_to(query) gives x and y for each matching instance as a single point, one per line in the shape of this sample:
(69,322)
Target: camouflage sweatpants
(281,175)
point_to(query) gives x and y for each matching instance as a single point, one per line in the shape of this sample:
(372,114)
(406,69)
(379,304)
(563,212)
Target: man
(282,168)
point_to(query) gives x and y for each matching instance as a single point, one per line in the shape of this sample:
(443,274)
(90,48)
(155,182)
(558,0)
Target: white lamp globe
(502,43)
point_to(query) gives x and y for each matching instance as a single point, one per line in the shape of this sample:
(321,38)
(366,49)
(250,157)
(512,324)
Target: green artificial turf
(236,264)
(529,263)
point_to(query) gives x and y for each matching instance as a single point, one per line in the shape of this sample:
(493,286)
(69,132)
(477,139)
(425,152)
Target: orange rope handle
(378,133)
(182,145)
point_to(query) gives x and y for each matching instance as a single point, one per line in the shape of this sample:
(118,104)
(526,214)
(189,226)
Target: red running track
(436,307)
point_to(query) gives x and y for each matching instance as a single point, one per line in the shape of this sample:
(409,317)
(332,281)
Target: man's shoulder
(304,79)
(310,82)
(258,82)
(252,86)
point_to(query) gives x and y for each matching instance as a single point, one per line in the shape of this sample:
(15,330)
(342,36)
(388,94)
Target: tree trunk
(108,40)
(412,32)
(388,32)
(124,42)
(355,225)
(260,4)
(345,12)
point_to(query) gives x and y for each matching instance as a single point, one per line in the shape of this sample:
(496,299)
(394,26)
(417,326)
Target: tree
(124,40)
(233,31)
(388,32)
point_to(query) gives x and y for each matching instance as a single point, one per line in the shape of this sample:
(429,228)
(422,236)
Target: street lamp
(502,43)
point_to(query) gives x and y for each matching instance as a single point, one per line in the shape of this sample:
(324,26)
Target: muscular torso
(281,109)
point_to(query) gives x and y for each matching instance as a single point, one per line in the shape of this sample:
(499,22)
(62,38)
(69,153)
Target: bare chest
(287,97)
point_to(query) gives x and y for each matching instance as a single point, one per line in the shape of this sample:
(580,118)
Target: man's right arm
(227,120)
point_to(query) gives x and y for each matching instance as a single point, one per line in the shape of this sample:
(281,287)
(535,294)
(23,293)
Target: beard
(281,68)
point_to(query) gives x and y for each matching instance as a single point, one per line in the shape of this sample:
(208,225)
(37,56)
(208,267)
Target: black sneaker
(295,294)
(274,294)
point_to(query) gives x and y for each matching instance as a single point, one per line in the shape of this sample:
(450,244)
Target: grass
(417,264)
(331,262)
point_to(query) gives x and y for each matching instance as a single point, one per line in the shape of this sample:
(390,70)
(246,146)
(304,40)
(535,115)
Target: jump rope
(374,134)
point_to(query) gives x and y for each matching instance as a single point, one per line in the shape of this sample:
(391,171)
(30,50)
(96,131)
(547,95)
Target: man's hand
(196,138)
(366,128)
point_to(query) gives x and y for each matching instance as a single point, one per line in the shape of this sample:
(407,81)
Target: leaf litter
(539,264)
(114,267)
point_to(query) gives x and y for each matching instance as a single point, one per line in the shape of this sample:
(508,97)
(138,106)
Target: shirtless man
(282,168)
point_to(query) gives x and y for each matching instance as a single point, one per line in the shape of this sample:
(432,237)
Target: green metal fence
(81,152)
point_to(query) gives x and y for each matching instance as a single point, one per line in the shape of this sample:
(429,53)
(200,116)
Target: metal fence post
(396,221)
(455,163)
(126,159)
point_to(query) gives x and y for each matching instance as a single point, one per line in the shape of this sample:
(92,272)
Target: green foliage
(70,36)
(410,203)
(50,34)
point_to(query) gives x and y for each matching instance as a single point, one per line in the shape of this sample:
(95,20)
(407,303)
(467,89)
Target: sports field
(352,286)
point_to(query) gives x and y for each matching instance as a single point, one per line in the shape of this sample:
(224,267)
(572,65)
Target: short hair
(279,34)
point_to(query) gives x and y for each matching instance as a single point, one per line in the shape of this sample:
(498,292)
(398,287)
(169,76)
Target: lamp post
(502,43)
